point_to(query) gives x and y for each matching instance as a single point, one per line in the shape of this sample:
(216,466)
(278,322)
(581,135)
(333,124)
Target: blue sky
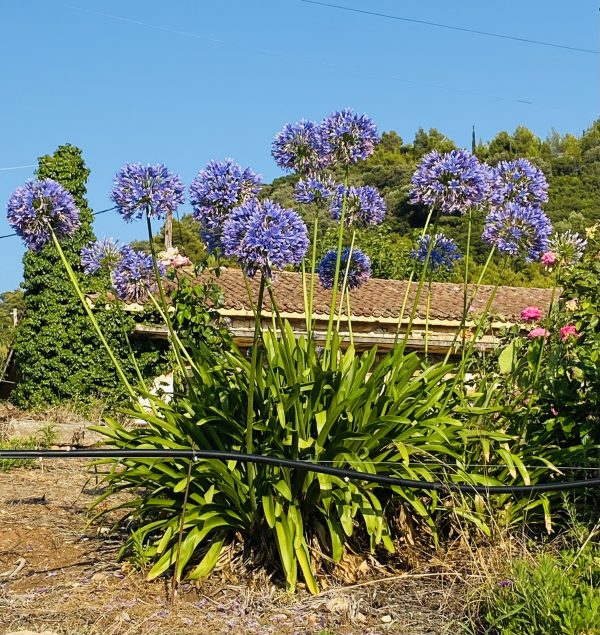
(188,81)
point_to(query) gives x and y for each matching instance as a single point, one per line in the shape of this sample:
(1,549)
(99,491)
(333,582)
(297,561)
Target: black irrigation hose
(300,465)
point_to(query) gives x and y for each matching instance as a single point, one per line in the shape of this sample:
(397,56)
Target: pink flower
(554,411)
(567,331)
(531,314)
(539,332)
(172,258)
(548,259)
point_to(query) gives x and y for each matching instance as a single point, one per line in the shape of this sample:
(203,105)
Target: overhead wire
(453,28)
(102,211)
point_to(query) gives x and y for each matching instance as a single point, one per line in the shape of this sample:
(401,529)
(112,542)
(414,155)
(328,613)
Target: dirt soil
(58,574)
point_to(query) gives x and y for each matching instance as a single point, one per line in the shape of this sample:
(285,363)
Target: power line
(102,211)
(17,167)
(454,28)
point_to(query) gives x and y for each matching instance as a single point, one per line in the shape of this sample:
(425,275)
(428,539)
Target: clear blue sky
(184,82)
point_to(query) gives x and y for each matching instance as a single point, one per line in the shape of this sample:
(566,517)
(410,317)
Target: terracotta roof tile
(384,298)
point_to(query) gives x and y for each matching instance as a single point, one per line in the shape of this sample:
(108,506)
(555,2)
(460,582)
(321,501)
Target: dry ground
(60,575)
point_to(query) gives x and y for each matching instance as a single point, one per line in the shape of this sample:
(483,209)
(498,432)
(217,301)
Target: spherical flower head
(171,258)
(568,331)
(450,183)
(518,182)
(218,188)
(518,230)
(531,314)
(36,208)
(348,137)
(548,259)
(150,189)
(537,332)
(364,205)
(314,190)
(101,254)
(263,236)
(572,305)
(299,147)
(444,252)
(133,277)
(359,271)
(568,247)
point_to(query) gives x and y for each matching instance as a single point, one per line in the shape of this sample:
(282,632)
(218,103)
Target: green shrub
(555,594)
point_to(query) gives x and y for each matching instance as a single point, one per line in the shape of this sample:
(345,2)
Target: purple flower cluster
(36,208)
(518,230)
(444,252)
(348,137)
(134,277)
(342,138)
(218,188)
(101,254)
(364,205)
(359,271)
(150,189)
(314,190)
(518,182)
(450,183)
(568,247)
(262,235)
(299,147)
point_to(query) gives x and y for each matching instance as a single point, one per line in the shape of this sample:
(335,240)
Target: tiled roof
(384,298)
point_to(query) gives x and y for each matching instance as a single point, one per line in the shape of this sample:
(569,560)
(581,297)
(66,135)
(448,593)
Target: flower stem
(466,282)
(336,276)
(313,268)
(88,310)
(251,381)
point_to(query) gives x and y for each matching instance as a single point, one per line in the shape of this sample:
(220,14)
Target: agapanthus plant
(518,230)
(40,207)
(263,236)
(101,254)
(443,253)
(364,205)
(219,188)
(348,137)
(317,190)
(450,183)
(568,247)
(359,271)
(519,182)
(146,189)
(134,276)
(299,147)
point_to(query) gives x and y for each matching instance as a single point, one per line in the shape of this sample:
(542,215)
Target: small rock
(338,605)
(386,619)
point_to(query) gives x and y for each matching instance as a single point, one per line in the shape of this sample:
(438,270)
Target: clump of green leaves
(553,594)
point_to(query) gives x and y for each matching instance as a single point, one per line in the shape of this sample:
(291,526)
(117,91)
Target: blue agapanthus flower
(299,147)
(151,189)
(101,254)
(314,190)
(518,230)
(518,182)
(444,252)
(450,183)
(263,236)
(38,206)
(348,137)
(364,205)
(133,277)
(358,273)
(218,188)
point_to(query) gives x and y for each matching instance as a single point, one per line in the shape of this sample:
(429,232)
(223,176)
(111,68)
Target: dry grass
(58,574)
